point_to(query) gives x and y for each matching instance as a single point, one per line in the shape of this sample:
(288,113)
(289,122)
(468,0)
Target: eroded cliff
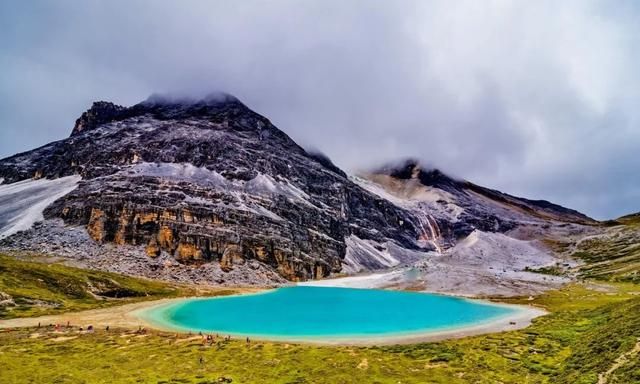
(210,181)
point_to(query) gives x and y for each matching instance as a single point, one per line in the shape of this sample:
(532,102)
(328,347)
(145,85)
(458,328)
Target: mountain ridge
(434,177)
(208,190)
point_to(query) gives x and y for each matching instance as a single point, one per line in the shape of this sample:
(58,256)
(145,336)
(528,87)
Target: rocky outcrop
(210,181)
(101,112)
(6,300)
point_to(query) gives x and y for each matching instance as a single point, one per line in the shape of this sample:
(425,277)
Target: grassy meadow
(593,328)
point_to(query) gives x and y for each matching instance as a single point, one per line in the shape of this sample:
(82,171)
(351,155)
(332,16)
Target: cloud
(534,98)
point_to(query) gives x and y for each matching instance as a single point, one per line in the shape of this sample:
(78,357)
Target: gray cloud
(535,98)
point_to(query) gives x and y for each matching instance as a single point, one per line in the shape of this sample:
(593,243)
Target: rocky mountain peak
(413,169)
(167,100)
(101,112)
(215,107)
(165,106)
(458,206)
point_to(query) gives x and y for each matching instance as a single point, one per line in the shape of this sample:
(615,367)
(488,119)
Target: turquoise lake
(325,313)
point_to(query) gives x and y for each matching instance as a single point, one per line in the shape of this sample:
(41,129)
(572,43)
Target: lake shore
(133,316)
(123,316)
(519,319)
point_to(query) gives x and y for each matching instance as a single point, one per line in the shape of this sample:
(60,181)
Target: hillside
(614,254)
(29,288)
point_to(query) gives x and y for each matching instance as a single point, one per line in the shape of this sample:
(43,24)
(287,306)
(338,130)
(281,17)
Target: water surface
(326,313)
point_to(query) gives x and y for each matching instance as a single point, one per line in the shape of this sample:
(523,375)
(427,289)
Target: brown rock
(188,252)
(152,249)
(232,255)
(95,228)
(165,238)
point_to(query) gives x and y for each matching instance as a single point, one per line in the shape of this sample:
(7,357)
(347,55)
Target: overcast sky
(535,98)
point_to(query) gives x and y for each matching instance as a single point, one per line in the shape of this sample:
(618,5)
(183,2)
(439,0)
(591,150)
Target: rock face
(455,208)
(100,113)
(210,181)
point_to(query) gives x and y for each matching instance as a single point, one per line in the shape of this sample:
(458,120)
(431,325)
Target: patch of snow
(366,255)
(378,190)
(294,191)
(266,185)
(178,172)
(197,200)
(374,280)
(22,203)
(261,185)
(262,211)
(322,235)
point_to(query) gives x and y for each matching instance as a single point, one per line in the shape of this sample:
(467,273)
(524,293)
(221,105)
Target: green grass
(633,219)
(47,288)
(614,256)
(554,270)
(616,330)
(589,326)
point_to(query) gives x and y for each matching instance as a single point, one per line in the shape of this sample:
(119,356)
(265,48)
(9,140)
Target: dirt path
(603,378)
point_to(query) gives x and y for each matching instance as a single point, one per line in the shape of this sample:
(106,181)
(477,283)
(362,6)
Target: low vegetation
(591,334)
(614,255)
(590,326)
(30,288)
(553,270)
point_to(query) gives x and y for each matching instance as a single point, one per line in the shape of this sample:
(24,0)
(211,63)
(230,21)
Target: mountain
(209,180)
(457,206)
(488,243)
(209,191)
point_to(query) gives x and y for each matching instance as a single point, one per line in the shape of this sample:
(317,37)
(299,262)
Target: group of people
(59,327)
(206,339)
(210,339)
